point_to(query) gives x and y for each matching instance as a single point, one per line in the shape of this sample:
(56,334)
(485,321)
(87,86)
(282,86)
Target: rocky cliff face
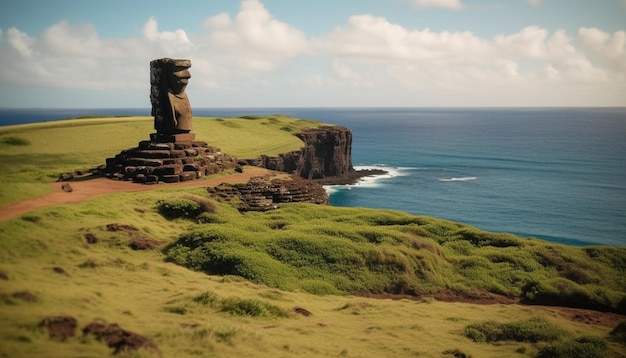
(327,153)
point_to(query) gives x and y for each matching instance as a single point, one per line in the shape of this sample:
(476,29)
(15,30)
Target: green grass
(36,154)
(331,250)
(226,283)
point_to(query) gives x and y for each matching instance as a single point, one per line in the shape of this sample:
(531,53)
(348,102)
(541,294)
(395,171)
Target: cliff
(326,156)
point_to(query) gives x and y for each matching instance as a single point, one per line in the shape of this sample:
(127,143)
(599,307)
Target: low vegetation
(303,280)
(327,250)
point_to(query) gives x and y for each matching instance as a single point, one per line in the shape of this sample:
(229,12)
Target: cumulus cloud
(253,40)
(450,4)
(252,50)
(374,38)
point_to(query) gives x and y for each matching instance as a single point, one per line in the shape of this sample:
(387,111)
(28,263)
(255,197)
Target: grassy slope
(144,293)
(64,146)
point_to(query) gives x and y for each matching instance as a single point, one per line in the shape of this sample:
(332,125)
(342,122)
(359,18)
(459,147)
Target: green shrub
(176,310)
(251,307)
(618,333)
(355,251)
(581,347)
(318,287)
(531,330)
(483,238)
(562,292)
(180,208)
(17,141)
(207,298)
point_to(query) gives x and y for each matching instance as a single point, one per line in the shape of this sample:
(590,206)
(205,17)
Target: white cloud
(608,49)
(450,4)
(21,42)
(371,38)
(366,59)
(151,32)
(529,42)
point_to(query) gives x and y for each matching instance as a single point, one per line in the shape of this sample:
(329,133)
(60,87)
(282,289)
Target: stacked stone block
(263,194)
(155,161)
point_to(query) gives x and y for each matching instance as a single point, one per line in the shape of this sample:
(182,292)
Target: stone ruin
(264,194)
(172,154)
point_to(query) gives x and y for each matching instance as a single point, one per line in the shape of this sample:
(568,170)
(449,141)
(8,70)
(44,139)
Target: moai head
(170,106)
(177,75)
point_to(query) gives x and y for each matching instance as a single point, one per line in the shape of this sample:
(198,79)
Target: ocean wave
(459,179)
(368,181)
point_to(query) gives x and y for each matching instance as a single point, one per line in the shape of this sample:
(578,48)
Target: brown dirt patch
(25,296)
(60,327)
(59,270)
(90,238)
(117,338)
(479,297)
(89,189)
(604,319)
(302,311)
(143,243)
(585,316)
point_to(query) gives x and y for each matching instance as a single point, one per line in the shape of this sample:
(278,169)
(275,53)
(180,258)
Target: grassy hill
(304,280)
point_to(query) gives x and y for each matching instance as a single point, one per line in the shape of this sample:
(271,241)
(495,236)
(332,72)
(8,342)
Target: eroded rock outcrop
(327,152)
(326,157)
(263,194)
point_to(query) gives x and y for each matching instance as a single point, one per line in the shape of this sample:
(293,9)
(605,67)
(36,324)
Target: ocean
(558,174)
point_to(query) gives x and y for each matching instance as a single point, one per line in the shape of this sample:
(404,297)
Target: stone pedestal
(161,160)
(176,138)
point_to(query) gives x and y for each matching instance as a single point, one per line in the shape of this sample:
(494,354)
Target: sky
(323,53)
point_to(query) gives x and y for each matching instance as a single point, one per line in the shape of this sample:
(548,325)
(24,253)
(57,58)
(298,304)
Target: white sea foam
(368,181)
(459,179)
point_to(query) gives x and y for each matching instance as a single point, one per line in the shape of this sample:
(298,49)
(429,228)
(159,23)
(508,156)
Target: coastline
(352,178)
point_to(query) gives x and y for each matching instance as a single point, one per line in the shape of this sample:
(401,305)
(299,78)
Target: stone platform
(160,160)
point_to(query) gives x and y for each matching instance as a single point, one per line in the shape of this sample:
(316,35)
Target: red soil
(89,189)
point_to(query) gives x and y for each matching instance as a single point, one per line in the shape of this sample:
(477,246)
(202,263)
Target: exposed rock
(60,327)
(325,157)
(120,340)
(67,188)
(302,311)
(262,194)
(170,162)
(327,152)
(137,241)
(59,270)
(90,238)
(121,227)
(25,296)
(143,243)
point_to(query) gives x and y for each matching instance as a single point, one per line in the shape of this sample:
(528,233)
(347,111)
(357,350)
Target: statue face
(178,80)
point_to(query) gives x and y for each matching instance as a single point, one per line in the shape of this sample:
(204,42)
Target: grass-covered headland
(198,278)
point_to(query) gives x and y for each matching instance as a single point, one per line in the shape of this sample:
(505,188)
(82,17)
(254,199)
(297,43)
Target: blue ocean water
(557,174)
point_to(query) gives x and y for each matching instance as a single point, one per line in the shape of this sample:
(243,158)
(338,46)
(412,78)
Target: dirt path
(89,189)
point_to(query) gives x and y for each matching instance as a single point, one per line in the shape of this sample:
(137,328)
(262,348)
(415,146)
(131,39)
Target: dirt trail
(89,189)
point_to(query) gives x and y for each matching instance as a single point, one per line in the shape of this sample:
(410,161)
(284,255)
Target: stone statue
(170,105)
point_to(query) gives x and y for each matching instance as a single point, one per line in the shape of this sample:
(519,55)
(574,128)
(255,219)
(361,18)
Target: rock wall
(327,153)
(169,162)
(263,194)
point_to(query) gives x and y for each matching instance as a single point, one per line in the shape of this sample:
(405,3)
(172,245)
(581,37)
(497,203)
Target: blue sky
(279,53)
